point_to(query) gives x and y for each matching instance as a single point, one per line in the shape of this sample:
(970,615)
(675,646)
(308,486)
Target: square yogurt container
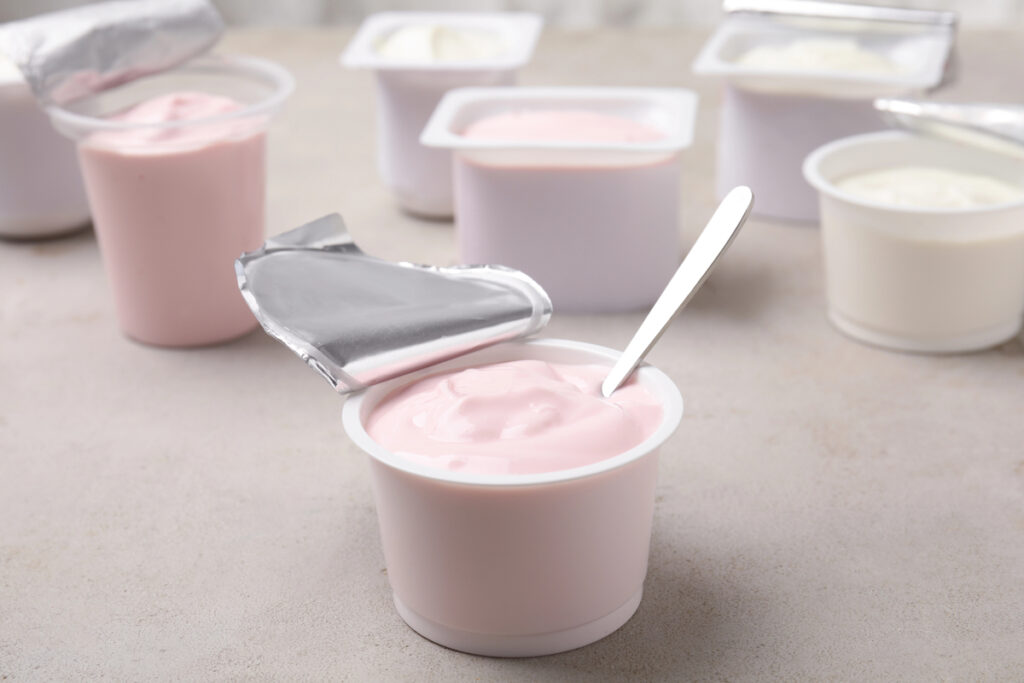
(772,118)
(595,223)
(409,90)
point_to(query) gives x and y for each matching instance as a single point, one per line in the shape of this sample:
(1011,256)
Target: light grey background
(560,13)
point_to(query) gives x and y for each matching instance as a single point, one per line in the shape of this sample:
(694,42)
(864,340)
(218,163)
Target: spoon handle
(712,242)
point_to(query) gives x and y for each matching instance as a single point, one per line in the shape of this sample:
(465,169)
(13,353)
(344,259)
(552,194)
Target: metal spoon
(712,242)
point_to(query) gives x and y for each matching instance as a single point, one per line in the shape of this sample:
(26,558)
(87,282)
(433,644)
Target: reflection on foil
(358,320)
(78,52)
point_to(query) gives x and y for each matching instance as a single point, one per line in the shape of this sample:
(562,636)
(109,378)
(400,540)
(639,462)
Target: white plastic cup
(407,93)
(519,565)
(919,279)
(764,138)
(41,191)
(172,217)
(596,224)
(772,116)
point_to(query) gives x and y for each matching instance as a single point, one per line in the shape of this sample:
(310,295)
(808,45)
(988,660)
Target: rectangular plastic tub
(596,224)
(409,90)
(773,117)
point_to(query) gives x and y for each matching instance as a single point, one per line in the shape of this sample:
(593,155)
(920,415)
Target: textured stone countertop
(827,510)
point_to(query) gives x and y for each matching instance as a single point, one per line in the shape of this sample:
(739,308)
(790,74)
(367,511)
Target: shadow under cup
(174,203)
(517,565)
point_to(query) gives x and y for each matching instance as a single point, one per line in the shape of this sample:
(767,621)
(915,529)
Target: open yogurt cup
(409,87)
(175,202)
(524,564)
(41,191)
(774,114)
(919,279)
(595,223)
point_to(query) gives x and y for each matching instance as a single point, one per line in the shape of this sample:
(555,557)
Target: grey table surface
(827,510)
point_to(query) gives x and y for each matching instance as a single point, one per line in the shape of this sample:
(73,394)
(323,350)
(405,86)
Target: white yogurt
(930,187)
(818,54)
(433,43)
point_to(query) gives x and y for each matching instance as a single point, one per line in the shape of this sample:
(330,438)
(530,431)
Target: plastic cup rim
(283,81)
(672,414)
(812,173)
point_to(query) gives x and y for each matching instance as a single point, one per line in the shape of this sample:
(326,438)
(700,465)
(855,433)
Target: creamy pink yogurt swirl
(516,417)
(176,108)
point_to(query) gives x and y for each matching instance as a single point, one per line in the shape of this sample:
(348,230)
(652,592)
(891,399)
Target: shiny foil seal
(995,127)
(78,52)
(359,320)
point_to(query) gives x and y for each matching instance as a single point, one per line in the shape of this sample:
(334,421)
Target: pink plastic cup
(172,214)
(517,565)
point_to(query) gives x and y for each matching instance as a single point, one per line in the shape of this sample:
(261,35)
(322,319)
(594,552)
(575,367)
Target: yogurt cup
(41,192)
(174,203)
(408,90)
(595,223)
(919,279)
(773,116)
(517,565)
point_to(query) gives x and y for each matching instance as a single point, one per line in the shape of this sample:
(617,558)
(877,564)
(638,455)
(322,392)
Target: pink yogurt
(567,125)
(173,207)
(598,231)
(515,417)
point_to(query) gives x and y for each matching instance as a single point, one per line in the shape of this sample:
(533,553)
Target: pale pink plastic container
(596,224)
(171,218)
(407,92)
(519,565)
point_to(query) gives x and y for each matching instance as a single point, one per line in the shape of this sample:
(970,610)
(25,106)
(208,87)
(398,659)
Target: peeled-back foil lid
(996,127)
(359,320)
(74,53)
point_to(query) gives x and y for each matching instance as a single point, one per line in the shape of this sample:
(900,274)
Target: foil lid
(78,52)
(996,127)
(359,320)
(831,9)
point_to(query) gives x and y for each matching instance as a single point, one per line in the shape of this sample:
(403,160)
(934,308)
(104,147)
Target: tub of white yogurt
(923,241)
(417,57)
(793,84)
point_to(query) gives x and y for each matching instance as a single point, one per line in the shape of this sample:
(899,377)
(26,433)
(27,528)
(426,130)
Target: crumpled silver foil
(358,320)
(78,52)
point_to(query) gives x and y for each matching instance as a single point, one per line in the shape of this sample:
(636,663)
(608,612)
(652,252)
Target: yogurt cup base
(495,645)
(975,341)
(41,228)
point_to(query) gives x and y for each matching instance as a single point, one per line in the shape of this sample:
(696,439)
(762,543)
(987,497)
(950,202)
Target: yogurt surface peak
(566,125)
(515,417)
(930,187)
(818,54)
(174,107)
(429,43)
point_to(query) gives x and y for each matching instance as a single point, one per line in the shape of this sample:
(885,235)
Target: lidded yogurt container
(515,503)
(793,83)
(577,187)
(41,191)
(418,56)
(171,143)
(923,241)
